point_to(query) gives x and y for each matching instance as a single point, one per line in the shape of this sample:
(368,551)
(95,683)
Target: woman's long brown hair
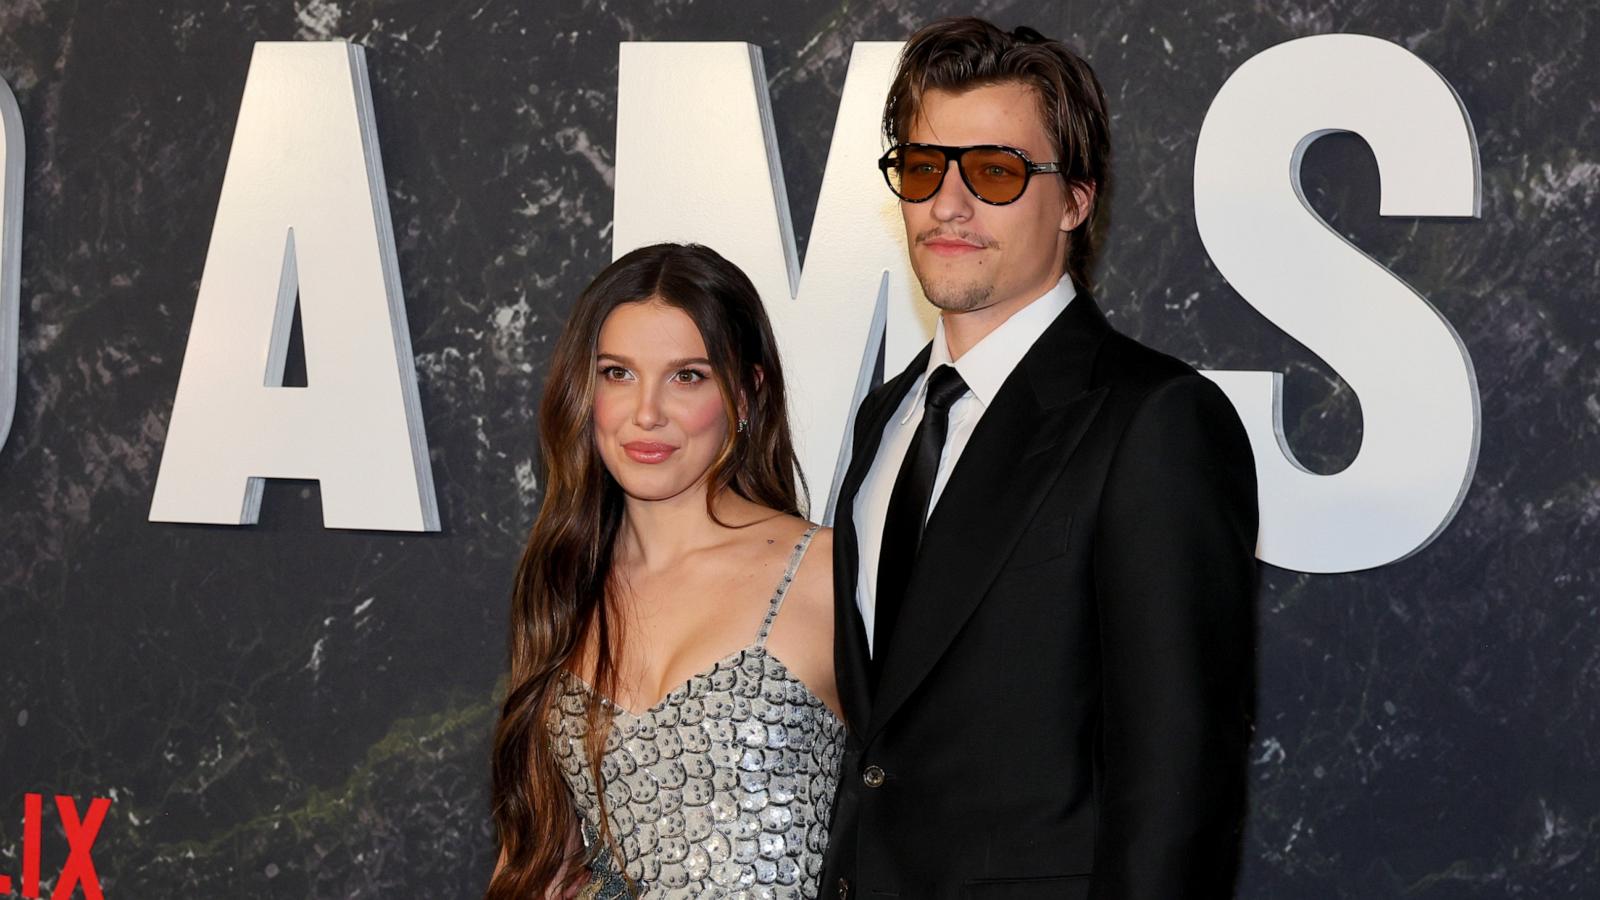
(564,577)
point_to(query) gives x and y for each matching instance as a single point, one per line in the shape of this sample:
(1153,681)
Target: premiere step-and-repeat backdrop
(278,284)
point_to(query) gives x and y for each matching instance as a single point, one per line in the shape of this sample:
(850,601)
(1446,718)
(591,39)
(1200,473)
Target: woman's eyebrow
(671,363)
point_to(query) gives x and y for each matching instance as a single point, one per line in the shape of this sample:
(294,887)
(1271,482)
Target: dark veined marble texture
(287,711)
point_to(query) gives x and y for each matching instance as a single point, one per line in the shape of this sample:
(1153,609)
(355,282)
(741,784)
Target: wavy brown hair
(960,54)
(564,581)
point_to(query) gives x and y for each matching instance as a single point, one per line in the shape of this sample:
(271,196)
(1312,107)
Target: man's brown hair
(957,55)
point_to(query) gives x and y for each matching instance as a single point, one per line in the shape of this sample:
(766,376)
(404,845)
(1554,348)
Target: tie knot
(945,387)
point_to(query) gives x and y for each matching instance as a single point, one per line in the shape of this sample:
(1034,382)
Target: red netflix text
(81,832)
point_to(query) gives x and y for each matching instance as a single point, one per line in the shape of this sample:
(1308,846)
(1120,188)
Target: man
(1045,543)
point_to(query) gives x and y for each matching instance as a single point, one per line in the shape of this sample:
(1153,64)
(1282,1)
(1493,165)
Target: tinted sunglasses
(994,174)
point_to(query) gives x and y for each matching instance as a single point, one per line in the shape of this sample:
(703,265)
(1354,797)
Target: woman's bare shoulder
(813,582)
(822,547)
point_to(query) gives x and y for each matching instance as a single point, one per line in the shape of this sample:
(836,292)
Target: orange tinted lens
(919,173)
(995,175)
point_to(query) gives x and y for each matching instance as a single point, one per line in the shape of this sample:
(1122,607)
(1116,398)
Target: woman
(647,643)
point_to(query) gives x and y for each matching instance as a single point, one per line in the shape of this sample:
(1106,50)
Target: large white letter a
(304,213)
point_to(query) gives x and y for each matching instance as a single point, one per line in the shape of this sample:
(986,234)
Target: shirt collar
(988,363)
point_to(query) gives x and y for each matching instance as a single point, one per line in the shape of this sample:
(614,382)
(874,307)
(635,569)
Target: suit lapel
(851,656)
(1018,449)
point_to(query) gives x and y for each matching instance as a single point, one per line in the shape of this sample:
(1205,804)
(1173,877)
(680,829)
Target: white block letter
(1403,360)
(303,211)
(10,252)
(697,160)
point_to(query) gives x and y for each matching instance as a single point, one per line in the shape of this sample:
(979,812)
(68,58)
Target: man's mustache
(973,238)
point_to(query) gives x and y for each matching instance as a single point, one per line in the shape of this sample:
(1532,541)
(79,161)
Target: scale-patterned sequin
(724,789)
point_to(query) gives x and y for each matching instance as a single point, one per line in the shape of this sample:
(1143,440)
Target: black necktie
(908,506)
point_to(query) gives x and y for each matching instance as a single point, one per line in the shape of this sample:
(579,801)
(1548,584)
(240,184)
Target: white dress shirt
(984,368)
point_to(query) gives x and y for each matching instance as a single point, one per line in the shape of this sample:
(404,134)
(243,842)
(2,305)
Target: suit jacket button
(844,888)
(872,776)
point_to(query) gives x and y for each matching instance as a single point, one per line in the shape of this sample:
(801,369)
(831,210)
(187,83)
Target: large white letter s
(1403,360)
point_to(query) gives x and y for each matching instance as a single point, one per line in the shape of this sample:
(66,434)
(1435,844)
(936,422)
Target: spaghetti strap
(783,584)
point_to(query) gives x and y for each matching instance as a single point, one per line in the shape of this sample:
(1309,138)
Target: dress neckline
(759,645)
(729,661)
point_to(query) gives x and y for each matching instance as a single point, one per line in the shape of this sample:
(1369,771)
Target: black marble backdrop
(287,711)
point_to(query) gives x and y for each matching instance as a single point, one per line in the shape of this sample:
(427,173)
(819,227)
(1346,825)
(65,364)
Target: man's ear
(1080,202)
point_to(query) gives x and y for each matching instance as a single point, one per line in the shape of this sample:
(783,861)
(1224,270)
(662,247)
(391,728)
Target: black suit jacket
(1065,708)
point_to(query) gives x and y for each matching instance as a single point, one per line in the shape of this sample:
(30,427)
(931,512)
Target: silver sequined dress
(723,789)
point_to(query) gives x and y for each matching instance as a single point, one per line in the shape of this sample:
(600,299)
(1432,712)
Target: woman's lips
(648,452)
